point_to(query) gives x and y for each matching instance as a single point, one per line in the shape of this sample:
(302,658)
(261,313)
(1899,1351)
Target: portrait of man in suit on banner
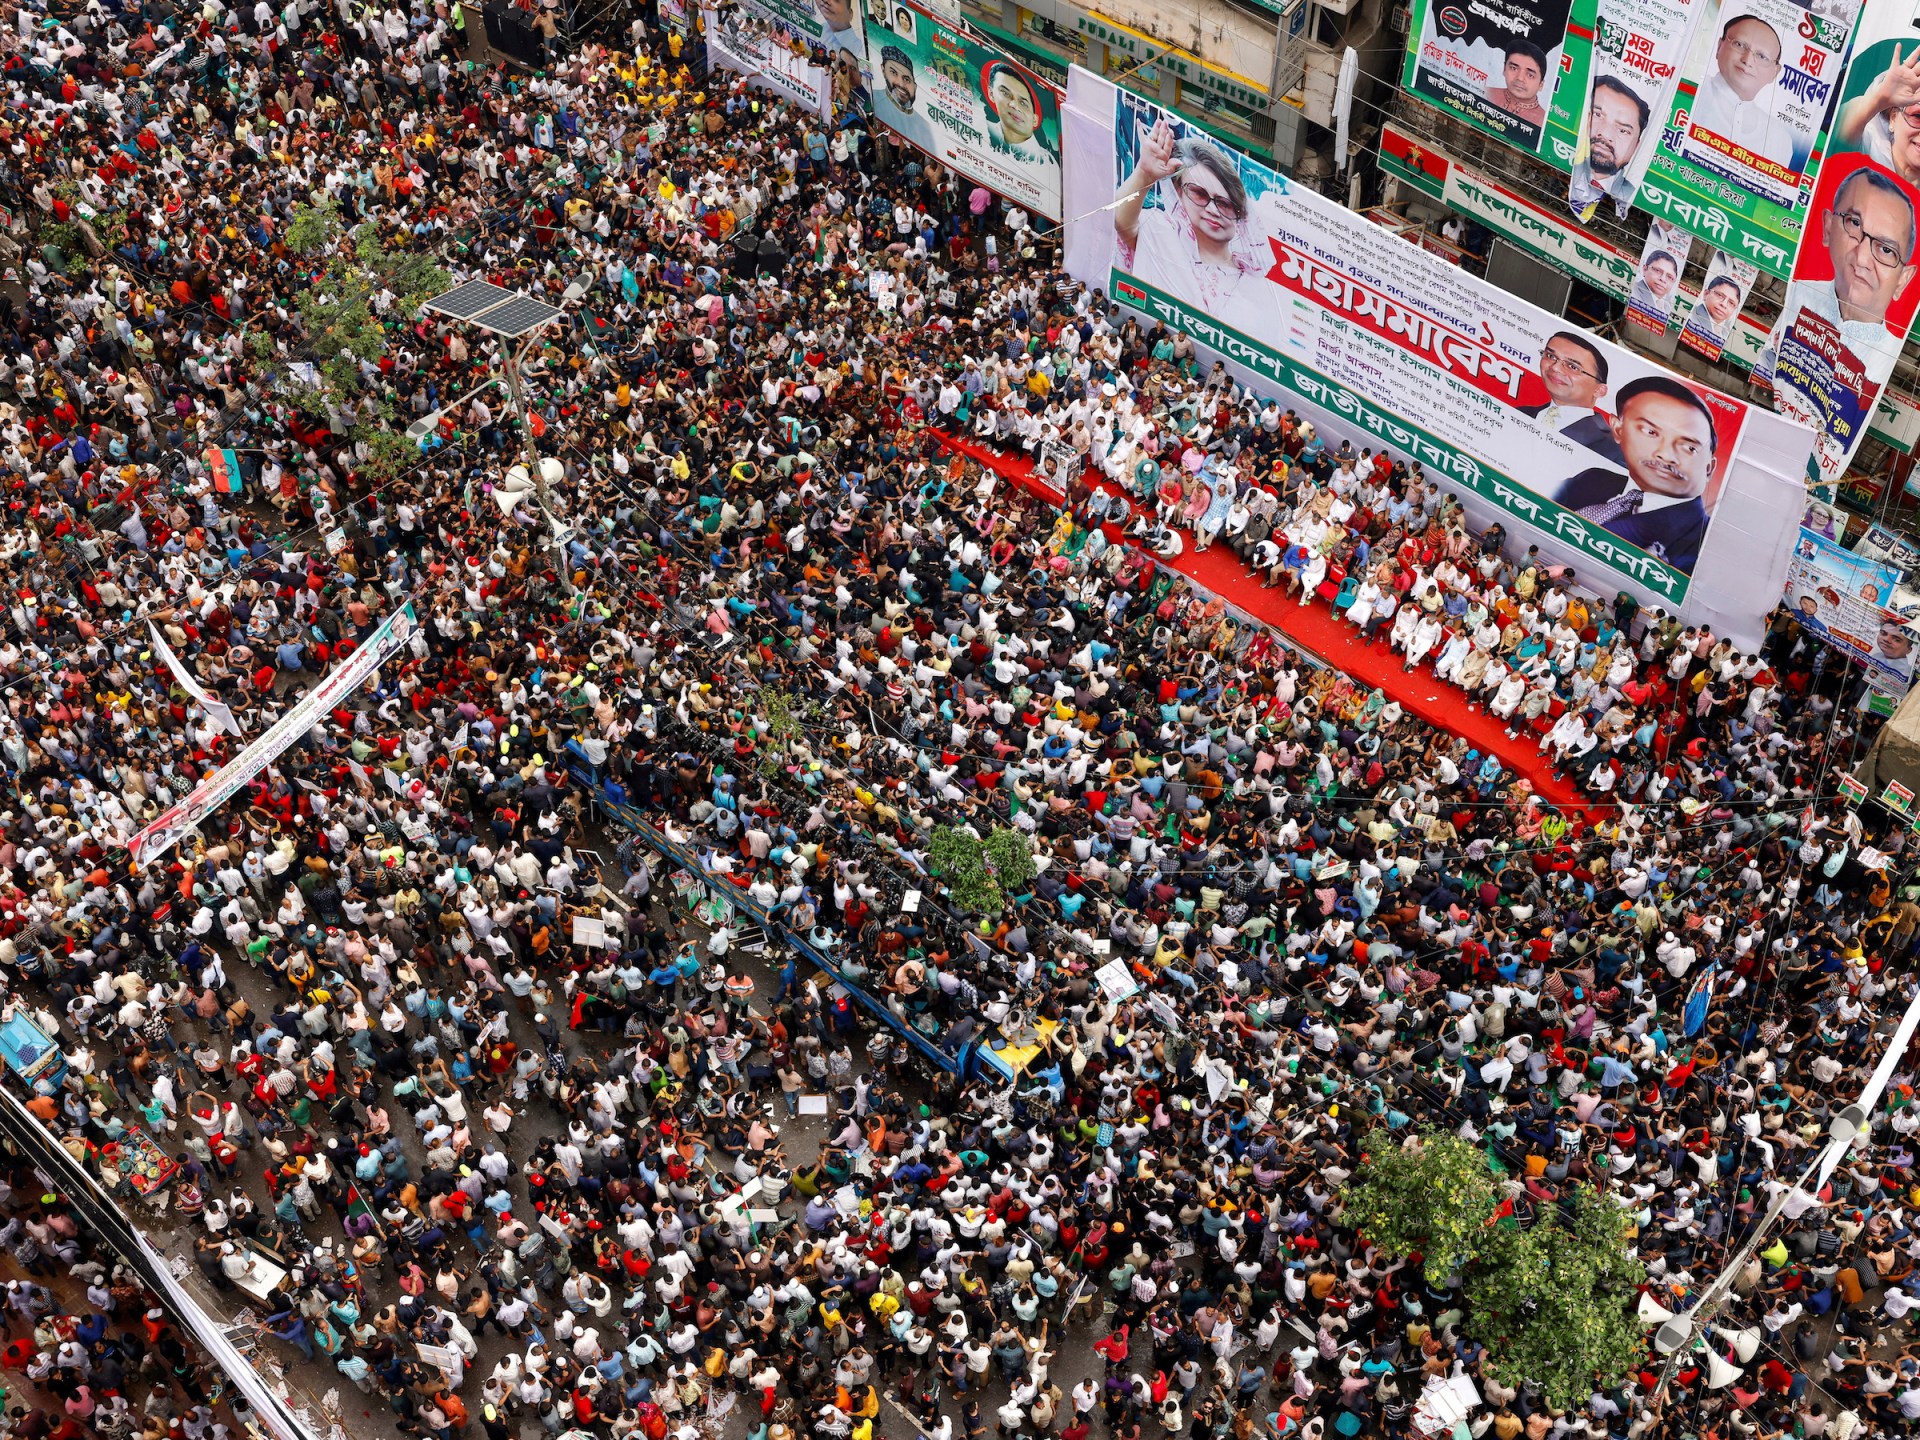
(1667,443)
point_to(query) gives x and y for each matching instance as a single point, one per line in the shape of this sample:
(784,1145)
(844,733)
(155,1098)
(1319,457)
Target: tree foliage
(1553,1304)
(1434,1196)
(980,874)
(356,286)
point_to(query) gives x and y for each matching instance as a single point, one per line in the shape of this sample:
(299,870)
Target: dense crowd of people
(789,622)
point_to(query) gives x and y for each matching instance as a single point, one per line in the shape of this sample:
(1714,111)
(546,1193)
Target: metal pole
(533,462)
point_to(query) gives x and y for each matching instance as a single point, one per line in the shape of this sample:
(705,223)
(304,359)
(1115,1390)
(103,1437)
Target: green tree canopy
(1554,1304)
(980,875)
(358,284)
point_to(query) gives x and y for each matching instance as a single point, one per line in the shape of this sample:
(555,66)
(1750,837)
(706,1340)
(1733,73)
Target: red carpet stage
(1318,631)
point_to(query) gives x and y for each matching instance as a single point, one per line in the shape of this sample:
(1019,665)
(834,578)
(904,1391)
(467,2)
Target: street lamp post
(511,316)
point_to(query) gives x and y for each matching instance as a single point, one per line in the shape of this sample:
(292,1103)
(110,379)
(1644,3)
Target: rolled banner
(217,710)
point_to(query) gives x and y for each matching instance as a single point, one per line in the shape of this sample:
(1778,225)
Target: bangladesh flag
(357,1205)
(225,468)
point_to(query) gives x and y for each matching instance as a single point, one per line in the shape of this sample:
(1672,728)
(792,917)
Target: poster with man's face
(1844,597)
(1639,47)
(1656,287)
(1717,309)
(1492,62)
(1762,97)
(968,105)
(1849,306)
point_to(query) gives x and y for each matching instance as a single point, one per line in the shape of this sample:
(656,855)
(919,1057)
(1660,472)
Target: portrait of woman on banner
(1182,226)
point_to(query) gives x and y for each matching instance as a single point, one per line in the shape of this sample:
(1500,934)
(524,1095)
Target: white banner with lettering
(178,821)
(1638,478)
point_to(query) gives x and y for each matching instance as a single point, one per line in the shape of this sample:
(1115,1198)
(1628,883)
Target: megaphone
(1746,1343)
(512,488)
(1652,1312)
(1720,1373)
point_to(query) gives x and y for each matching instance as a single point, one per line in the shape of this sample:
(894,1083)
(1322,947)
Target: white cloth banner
(743,42)
(216,710)
(178,821)
(1638,478)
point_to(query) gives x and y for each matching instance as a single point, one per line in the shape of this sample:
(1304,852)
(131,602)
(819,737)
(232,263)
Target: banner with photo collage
(836,26)
(1612,463)
(740,40)
(1844,598)
(1735,146)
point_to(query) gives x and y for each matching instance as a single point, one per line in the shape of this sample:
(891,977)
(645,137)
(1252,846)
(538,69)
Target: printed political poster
(1879,110)
(1605,454)
(1719,174)
(836,26)
(1877,542)
(1711,322)
(1843,597)
(1639,47)
(1656,285)
(764,52)
(1848,307)
(1493,63)
(969,106)
(1761,100)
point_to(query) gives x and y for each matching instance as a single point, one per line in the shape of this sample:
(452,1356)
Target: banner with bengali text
(970,106)
(1613,461)
(1639,49)
(1720,175)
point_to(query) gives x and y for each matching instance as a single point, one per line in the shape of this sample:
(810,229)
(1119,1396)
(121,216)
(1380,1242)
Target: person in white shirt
(1737,101)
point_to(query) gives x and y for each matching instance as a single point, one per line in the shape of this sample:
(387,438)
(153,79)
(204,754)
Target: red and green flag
(224,465)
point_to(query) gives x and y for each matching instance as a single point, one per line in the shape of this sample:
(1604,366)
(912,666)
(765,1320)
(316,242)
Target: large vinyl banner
(970,107)
(833,25)
(178,821)
(1844,598)
(1849,306)
(1613,462)
(1495,62)
(1734,147)
(748,44)
(1852,297)
(1639,49)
